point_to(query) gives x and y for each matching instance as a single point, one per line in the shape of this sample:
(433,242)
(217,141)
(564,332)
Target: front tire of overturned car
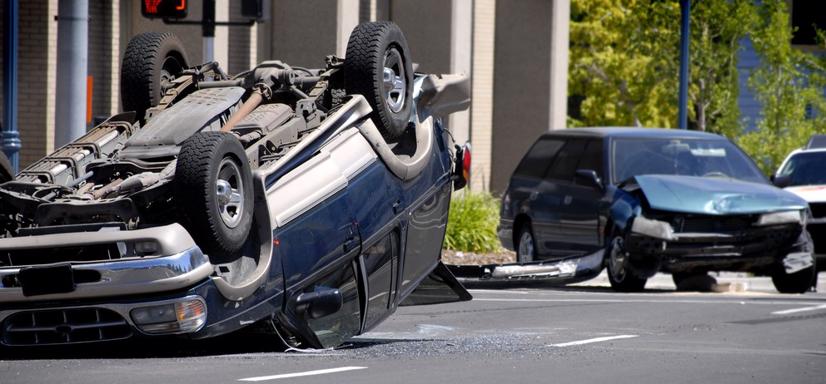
(213,189)
(377,66)
(620,277)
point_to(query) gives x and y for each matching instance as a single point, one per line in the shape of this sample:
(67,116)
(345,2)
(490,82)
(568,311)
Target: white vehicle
(803,173)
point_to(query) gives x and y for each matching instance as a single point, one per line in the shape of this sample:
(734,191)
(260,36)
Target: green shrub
(472,222)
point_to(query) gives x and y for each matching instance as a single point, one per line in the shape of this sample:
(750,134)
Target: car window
(538,158)
(686,157)
(806,169)
(592,157)
(566,162)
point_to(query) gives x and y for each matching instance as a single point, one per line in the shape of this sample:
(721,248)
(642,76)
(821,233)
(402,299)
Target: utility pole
(685,6)
(72,57)
(11,138)
(208,30)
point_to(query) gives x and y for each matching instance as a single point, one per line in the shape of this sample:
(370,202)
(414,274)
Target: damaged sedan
(311,202)
(639,201)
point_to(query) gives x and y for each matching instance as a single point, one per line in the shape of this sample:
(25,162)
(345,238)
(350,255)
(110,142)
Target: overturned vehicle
(309,201)
(638,201)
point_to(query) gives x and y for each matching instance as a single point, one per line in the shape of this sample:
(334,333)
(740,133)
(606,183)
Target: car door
(580,211)
(559,191)
(533,195)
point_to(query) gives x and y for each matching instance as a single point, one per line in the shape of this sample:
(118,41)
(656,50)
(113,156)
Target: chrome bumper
(150,274)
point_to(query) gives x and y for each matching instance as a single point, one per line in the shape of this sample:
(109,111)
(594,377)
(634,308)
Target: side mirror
(781,181)
(319,303)
(588,177)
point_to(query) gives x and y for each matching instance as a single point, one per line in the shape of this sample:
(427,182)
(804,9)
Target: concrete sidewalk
(726,282)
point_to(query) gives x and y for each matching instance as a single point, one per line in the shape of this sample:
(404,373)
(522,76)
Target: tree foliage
(789,84)
(625,62)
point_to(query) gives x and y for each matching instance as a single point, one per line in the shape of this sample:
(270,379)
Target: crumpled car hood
(715,196)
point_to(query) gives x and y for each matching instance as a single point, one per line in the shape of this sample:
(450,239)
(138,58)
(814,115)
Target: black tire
(150,59)
(218,229)
(621,279)
(528,254)
(373,47)
(798,282)
(6,171)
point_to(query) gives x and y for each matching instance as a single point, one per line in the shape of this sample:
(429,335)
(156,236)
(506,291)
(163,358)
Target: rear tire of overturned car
(213,188)
(151,61)
(619,276)
(377,66)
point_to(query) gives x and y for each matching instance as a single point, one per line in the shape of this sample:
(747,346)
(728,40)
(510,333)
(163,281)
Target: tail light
(461,171)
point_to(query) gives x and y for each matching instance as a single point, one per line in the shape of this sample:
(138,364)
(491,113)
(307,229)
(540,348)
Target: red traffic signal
(166,9)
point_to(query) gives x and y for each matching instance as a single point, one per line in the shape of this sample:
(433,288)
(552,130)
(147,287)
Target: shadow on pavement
(169,347)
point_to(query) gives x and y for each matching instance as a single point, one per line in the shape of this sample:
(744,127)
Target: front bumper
(178,264)
(758,249)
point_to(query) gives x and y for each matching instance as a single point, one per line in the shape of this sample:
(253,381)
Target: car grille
(40,256)
(64,326)
(818,210)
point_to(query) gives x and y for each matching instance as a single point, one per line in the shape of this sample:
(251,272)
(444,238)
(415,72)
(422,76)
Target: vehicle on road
(639,201)
(803,174)
(312,202)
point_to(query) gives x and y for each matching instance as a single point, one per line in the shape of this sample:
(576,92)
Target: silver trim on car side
(125,277)
(171,239)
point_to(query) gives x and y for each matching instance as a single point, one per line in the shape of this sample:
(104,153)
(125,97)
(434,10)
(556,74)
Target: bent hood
(810,193)
(715,196)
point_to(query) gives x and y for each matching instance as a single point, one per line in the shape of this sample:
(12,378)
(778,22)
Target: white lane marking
(796,310)
(300,374)
(594,340)
(689,301)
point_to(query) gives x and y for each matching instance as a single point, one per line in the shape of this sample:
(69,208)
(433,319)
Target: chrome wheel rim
(616,260)
(229,188)
(526,248)
(394,80)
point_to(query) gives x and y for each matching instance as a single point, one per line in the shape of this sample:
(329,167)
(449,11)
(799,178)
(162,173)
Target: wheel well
(520,220)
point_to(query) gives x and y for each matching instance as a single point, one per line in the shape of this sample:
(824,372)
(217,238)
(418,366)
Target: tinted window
(565,164)
(592,157)
(806,169)
(538,158)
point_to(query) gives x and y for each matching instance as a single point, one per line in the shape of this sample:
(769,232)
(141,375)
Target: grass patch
(472,221)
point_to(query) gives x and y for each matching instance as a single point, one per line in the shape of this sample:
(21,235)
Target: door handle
(349,244)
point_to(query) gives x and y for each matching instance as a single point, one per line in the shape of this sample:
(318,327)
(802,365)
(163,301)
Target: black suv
(641,200)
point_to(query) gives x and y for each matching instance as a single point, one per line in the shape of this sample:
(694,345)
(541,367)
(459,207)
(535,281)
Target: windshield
(805,169)
(689,157)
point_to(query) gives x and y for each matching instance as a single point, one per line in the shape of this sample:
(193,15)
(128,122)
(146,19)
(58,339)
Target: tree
(787,83)
(615,62)
(625,60)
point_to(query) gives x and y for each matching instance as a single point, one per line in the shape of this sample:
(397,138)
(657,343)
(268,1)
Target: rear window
(538,158)
(566,162)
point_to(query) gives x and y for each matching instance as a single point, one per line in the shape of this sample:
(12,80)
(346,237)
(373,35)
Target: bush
(472,222)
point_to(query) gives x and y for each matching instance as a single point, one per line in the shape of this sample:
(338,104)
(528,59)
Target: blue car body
(577,205)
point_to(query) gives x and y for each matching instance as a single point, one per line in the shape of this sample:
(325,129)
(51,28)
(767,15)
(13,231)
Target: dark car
(310,201)
(647,200)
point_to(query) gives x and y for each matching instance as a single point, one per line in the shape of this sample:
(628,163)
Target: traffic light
(165,9)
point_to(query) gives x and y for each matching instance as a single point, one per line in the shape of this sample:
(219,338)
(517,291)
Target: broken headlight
(785,217)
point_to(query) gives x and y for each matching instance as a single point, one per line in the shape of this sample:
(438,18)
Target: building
(514,51)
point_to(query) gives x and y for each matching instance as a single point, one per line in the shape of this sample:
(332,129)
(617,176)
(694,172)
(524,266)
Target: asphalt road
(582,334)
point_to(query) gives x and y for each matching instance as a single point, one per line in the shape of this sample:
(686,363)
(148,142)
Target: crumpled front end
(678,242)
